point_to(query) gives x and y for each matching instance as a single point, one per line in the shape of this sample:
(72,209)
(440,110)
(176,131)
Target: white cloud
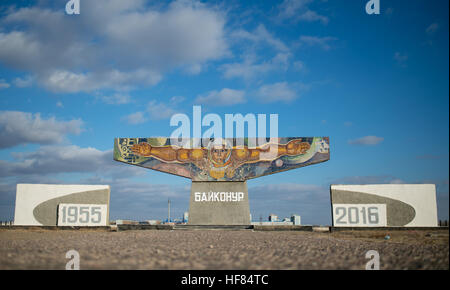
(21,128)
(366,141)
(155,110)
(389,11)
(373,179)
(56,159)
(260,35)
(52,160)
(175,100)
(348,124)
(159,110)
(23,82)
(249,68)
(322,42)
(311,16)
(69,82)
(432,28)
(401,58)
(136,118)
(4,84)
(59,104)
(193,69)
(141,42)
(224,97)
(298,10)
(281,91)
(299,66)
(116,99)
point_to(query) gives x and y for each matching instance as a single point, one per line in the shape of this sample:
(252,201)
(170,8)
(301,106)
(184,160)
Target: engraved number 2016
(353,215)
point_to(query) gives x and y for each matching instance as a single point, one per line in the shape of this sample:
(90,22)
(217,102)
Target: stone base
(219,203)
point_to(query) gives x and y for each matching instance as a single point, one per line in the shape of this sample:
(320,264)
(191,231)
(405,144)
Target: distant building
(295,219)
(126,222)
(273,218)
(279,223)
(186,217)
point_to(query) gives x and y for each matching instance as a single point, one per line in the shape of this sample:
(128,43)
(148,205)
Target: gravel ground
(220,249)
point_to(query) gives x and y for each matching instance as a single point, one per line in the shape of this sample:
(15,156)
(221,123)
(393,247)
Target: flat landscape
(223,249)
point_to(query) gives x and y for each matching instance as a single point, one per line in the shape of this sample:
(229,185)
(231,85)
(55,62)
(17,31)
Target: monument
(62,205)
(384,205)
(219,168)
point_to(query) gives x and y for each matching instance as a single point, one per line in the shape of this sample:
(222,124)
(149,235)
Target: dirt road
(220,249)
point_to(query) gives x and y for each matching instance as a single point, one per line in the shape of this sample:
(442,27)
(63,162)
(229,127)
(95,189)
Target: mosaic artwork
(227,160)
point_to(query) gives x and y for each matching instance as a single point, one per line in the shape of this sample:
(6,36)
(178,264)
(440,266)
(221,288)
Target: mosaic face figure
(219,153)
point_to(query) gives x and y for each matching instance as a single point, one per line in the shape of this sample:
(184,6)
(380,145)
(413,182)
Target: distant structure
(126,222)
(168,206)
(6,223)
(185,216)
(296,219)
(273,218)
(275,221)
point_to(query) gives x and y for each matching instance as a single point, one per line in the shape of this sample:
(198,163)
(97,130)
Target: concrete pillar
(219,203)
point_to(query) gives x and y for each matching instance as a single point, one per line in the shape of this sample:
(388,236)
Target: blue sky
(377,85)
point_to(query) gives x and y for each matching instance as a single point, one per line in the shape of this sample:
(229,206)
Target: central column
(219,203)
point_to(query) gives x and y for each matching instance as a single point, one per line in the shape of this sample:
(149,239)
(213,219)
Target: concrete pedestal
(219,203)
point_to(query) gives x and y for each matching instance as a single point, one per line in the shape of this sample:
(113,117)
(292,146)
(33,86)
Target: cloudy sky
(376,84)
